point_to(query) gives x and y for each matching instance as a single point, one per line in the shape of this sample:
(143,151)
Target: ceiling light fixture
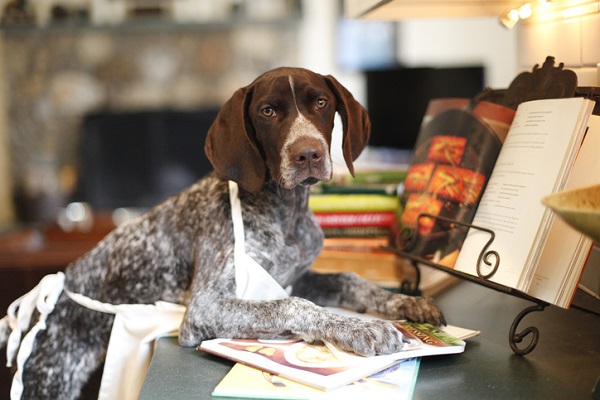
(547,10)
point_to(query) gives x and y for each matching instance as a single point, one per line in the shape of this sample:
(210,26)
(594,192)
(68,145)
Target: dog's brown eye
(321,103)
(268,112)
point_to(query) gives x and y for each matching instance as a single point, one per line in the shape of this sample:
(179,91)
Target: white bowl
(580,208)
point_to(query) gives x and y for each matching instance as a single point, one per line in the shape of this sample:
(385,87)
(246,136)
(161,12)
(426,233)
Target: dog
(272,138)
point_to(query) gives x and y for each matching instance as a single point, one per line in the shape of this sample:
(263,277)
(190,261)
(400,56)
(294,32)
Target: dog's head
(279,127)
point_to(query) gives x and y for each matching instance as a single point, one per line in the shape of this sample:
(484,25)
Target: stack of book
(359,216)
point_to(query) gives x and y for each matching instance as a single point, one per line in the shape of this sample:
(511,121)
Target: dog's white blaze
(301,127)
(291,81)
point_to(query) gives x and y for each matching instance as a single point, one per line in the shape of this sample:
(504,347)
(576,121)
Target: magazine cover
(394,383)
(456,149)
(322,365)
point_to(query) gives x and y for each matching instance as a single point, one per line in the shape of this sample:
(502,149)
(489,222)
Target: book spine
(353,203)
(372,177)
(355,219)
(366,231)
(388,189)
(367,244)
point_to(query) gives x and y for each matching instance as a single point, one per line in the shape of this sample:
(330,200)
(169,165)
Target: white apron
(252,281)
(135,326)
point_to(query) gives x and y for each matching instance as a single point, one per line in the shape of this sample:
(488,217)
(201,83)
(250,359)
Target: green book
(353,202)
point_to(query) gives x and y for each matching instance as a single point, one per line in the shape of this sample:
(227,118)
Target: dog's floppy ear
(230,144)
(355,119)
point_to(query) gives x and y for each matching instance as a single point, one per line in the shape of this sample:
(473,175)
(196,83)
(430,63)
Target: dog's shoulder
(159,243)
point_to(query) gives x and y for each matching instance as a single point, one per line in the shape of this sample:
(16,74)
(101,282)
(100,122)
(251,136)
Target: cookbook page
(558,271)
(531,164)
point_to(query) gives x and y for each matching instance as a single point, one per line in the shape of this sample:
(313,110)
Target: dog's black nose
(306,153)
(307,156)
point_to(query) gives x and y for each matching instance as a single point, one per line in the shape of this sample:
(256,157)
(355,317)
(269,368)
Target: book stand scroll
(408,237)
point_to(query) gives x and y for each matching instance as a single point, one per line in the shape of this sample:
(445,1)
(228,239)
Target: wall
(504,53)
(573,42)
(460,42)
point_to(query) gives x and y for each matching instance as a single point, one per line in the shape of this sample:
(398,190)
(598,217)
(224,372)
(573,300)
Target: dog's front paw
(418,309)
(366,337)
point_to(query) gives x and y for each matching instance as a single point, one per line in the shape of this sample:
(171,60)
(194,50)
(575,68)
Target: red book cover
(355,219)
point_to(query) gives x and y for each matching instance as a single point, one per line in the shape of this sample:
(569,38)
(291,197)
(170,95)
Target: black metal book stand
(408,237)
(547,81)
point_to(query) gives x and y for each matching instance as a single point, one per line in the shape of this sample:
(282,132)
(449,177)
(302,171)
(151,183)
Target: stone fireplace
(57,77)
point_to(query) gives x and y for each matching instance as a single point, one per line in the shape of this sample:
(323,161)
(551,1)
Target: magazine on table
(325,367)
(396,382)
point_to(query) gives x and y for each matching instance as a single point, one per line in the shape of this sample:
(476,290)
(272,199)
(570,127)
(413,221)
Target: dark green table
(564,365)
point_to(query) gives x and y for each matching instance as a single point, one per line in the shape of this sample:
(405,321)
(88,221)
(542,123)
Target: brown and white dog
(272,138)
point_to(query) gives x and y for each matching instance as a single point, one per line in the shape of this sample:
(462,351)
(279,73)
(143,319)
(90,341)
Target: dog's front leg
(351,291)
(293,317)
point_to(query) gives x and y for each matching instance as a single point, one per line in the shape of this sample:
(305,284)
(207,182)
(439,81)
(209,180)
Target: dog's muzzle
(305,158)
(309,159)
